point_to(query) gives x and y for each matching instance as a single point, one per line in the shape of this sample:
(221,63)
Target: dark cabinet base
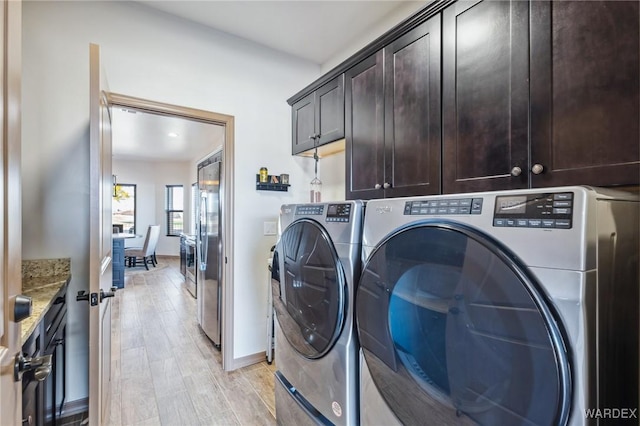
(42,400)
(118,262)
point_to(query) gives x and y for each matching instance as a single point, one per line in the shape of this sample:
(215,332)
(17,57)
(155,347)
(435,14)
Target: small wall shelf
(270,185)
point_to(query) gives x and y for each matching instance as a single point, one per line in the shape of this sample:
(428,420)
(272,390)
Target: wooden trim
(226,196)
(249,360)
(10,207)
(430,9)
(168,109)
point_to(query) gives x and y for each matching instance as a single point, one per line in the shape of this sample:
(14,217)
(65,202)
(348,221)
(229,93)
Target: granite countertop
(41,280)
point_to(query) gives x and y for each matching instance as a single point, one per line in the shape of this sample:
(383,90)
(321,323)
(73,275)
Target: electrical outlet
(270,228)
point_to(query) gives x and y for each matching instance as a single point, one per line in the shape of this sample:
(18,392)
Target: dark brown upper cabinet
(392,126)
(318,118)
(364,128)
(485,96)
(585,103)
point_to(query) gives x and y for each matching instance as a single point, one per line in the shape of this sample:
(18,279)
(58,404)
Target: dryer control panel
(544,210)
(334,212)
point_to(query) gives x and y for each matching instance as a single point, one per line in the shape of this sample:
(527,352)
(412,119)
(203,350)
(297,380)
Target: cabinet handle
(386,185)
(516,171)
(28,420)
(40,365)
(377,186)
(537,169)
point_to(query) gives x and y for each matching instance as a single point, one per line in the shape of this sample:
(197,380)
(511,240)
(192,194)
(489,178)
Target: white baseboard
(247,360)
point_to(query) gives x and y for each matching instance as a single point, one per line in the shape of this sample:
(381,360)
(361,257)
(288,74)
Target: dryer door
(308,288)
(454,330)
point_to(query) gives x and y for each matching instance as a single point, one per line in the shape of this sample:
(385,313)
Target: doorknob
(104,295)
(386,185)
(516,171)
(377,186)
(40,365)
(91,298)
(21,308)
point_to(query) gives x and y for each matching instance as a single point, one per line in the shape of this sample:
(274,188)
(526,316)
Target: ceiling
(143,136)
(310,29)
(314,30)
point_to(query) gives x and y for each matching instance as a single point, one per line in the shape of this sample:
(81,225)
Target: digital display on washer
(543,210)
(338,212)
(512,204)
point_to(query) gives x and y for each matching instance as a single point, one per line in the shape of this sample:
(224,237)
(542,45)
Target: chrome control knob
(516,171)
(377,186)
(537,169)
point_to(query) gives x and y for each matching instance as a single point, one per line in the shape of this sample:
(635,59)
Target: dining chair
(146,253)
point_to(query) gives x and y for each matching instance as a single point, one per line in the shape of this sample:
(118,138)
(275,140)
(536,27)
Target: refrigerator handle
(204,239)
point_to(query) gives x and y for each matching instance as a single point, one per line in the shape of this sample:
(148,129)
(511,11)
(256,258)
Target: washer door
(308,288)
(454,330)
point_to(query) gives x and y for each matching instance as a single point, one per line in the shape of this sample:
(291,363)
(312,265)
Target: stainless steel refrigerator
(209,248)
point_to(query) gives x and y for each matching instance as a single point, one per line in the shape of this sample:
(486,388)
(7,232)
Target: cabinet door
(412,112)
(485,95)
(364,128)
(32,389)
(330,111)
(303,124)
(584,92)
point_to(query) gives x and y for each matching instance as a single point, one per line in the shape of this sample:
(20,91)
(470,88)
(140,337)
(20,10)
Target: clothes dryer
(496,308)
(315,270)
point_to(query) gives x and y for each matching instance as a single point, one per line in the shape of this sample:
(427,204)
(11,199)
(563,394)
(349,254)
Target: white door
(10,215)
(100,282)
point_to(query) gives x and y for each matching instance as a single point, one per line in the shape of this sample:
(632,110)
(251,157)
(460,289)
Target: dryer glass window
(309,296)
(445,316)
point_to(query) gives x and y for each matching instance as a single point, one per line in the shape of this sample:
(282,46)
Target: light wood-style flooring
(165,371)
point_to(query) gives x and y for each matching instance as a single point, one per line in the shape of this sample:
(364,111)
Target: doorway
(156,110)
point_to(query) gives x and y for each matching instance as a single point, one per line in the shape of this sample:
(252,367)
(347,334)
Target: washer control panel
(544,210)
(445,206)
(338,212)
(310,210)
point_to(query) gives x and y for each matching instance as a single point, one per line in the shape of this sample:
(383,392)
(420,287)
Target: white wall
(332,169)
(151,179)
(151,55)
(406,9)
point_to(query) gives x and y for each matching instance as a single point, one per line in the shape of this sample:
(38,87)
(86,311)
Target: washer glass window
(309,294)
(447,317)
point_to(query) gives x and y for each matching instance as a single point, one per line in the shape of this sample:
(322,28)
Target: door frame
(226,196)
(10,207)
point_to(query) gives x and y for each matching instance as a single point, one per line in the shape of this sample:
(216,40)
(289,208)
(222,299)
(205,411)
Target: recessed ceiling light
(173,135)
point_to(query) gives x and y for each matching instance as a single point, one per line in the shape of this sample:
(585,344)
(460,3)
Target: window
(175,210)
(123,208)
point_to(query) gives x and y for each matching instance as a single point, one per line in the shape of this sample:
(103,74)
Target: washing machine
(500,308)
(316,266)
